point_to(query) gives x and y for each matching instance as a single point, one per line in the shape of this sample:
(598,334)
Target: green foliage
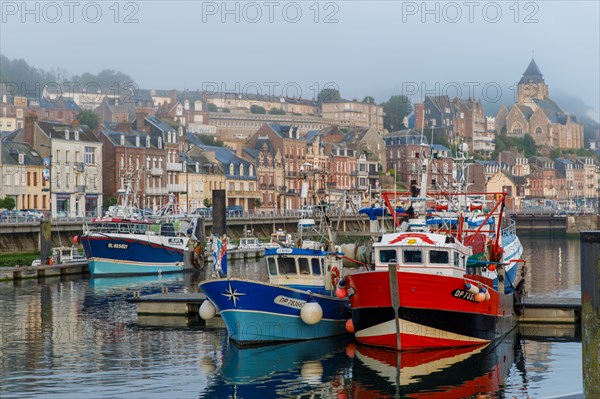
(525,145)
(88,118)
(438,137)
(395,109)
(277,111)
(18,258)
(207,202)
(210,140)
(212,107)
(328,94)
(257,109)
(529,146)
(108,202)
(368,100)
(226,110)
(8,203)
(20,76)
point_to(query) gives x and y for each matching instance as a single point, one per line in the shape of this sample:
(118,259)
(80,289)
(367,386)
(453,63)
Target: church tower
(531,85)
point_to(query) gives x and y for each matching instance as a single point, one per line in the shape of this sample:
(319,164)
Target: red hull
(435,311)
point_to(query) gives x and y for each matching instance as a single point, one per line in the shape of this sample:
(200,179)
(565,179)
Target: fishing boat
(124,246)
(123,243)
(298,303)
(447,276)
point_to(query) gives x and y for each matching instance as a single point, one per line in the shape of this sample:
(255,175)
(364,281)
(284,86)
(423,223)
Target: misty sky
(376,48)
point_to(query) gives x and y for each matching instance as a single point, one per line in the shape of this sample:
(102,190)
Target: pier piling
(590,312)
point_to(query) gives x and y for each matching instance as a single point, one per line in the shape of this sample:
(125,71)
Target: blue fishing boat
(298,303)
(125,247)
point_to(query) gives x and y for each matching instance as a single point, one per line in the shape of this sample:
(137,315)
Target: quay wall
(25,236)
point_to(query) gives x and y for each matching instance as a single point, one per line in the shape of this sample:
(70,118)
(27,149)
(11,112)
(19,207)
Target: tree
(276,111)
(88,118)
(529,146)
(207,202)
(226,110)
(8,203)
(395,109)
(328,94)
(210,140)
(212,107)
(108,202)
(368,100)
(257,109)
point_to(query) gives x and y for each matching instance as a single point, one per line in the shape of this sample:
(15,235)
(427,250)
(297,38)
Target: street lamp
(49,176)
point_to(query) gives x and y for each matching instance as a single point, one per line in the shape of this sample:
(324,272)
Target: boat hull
(434,312)
(257,313)
(126,256)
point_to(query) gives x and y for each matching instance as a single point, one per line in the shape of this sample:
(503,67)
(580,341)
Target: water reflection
(554,265)
(449,373)
(318,367)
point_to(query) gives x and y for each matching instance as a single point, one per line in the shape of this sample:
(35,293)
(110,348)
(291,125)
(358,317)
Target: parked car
(235,210)
(204,212)
(33,213)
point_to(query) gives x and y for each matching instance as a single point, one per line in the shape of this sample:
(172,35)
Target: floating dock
(24,272)
(168,303)
(551,310)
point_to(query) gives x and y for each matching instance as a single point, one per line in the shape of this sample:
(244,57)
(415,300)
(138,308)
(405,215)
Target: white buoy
(473,289)
(312,372)
(207,310)
(311,313)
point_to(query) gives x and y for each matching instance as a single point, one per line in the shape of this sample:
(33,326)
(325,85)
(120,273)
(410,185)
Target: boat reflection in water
(135,283)
(283,370)
(471,372)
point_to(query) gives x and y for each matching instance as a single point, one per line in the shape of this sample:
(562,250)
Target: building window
(538,130)
(90,155)
(517,128)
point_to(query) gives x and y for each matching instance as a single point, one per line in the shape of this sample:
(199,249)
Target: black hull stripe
(469,324)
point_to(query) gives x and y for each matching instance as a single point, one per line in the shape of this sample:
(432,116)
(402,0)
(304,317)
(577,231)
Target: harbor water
(80,338)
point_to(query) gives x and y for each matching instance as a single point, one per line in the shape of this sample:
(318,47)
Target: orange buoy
(350,326)
(76,239)
(351,350)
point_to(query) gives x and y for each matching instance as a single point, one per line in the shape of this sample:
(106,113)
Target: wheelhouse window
(271,266)
(287,266)
(303,266)
(438,257)
(412,256)
(387,255)
(316,266)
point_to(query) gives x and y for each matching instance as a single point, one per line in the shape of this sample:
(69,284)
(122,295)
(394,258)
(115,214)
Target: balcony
(175,188)
(174,167)
(78,167)
(156,191)
(244,194)
(80,189)
(156,171)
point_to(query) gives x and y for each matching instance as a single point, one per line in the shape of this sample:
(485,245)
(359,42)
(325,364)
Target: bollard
(590,312)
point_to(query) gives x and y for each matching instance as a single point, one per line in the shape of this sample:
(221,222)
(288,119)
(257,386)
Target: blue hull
(117,256)
(109,267)
(256,312)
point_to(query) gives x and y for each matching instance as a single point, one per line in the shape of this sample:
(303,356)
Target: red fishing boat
(446,277)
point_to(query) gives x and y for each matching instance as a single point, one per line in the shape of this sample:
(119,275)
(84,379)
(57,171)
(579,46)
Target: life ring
(335,275)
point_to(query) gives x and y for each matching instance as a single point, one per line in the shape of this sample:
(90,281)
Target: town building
(536,114)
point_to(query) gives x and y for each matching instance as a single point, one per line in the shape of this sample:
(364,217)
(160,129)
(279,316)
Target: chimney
(139,120)
(29,129)
(123,127)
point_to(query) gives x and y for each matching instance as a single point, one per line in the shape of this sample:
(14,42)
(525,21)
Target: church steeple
(532,74)
(531,86)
